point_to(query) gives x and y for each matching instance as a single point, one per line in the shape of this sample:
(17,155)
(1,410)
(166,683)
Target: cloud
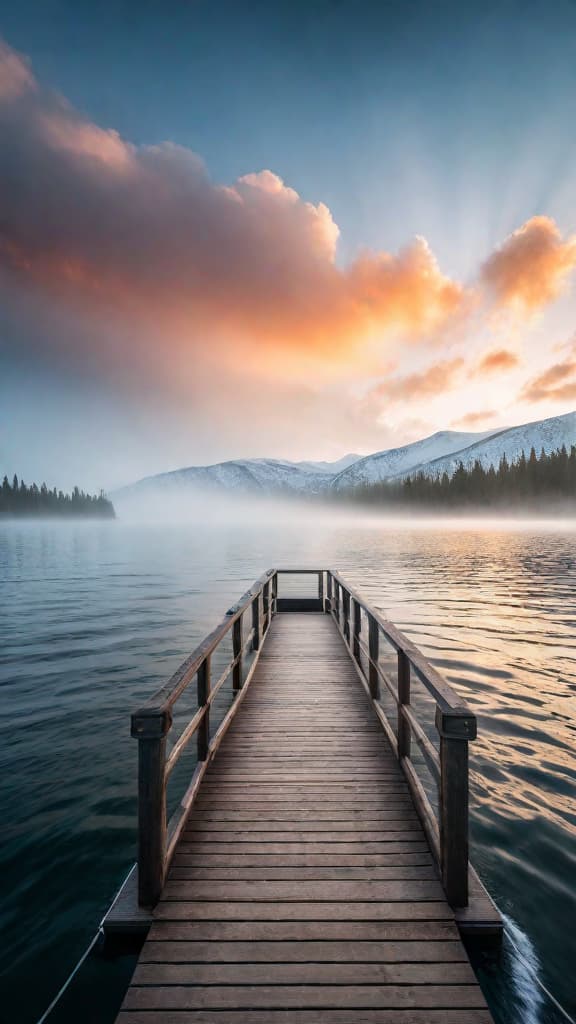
(497,361)
(556,384)
(531,267)
(89,218)
(435,380)
(474,419)
(15,75)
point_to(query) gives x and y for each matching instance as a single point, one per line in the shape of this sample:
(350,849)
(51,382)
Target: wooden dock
(304,878)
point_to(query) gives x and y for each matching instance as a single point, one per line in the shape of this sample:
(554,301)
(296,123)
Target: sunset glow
(126,267)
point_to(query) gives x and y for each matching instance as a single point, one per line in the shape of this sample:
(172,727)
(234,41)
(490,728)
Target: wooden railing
(454,722)
(151,724)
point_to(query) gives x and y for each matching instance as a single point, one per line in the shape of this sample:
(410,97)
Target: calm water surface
(95,616)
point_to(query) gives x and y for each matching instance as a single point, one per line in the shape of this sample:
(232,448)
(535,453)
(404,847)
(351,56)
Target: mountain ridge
(433,455)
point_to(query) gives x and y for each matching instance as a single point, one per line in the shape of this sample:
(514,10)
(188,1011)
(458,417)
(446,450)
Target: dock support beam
(328,602)
(356,627)
(256,623)
(374,653)
(455,731)
(237,654)
(203,740)
(403,699)
(150,730)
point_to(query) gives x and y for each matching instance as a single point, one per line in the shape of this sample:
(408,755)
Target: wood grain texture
(302,889)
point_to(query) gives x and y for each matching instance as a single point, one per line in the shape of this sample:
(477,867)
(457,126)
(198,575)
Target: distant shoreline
(55,517)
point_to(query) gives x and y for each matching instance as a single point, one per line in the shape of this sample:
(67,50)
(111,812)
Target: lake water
(94,616)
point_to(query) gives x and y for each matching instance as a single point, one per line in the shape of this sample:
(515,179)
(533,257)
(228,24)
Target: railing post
(337,601)
(266,606)
(256,623)
(346,610)
(403,698)
(237,654)
(374,652)
(274,601)
(328,606)
(455,731)
(150,728)
(321,589)
(203,739)
(356,627)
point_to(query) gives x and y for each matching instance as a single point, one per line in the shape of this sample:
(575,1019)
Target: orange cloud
(431,382)
(203,273)
(144,231)
(497,361)
(557,383)
(473,419)
(531,268)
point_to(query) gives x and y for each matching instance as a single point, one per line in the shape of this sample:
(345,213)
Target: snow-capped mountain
(249,475)
(330,467)
(442,452)
(548,434)
(396,462)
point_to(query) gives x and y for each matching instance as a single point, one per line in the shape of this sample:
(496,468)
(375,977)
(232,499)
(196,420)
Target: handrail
(152,722)
(167,695)
(443,693)
(454,721)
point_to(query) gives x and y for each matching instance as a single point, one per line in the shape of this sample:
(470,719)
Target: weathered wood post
(455,729)
(274,602)
(150,727)
(374,653)
(403,699)
(346,610)
(256,623)
(266,606)
(237,654)
(356,627)
(337,601)
(321,589)
(203,681)
(328,605)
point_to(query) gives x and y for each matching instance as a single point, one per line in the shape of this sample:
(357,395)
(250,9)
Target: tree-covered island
(22,501)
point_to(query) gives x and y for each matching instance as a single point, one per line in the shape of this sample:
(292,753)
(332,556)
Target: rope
(534,974)
(84,957)
(70,977)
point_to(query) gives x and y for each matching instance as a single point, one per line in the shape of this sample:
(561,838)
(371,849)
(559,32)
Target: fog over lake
(96,615)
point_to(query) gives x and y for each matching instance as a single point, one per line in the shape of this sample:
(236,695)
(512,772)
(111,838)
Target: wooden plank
(322,873)
(198,910)
(346,892)
(361,1016)
(272,973)
(397,853)
(317,1016)
(305,931)
(361,951)
(176,997)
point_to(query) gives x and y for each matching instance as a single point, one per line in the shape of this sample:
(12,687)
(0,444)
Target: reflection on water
(96,615)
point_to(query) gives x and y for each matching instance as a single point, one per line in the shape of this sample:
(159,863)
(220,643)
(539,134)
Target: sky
(291,230)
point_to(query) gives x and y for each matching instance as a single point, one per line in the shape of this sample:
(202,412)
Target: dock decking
(302,886)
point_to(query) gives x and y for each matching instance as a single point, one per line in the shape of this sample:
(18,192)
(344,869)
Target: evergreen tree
(22,501)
